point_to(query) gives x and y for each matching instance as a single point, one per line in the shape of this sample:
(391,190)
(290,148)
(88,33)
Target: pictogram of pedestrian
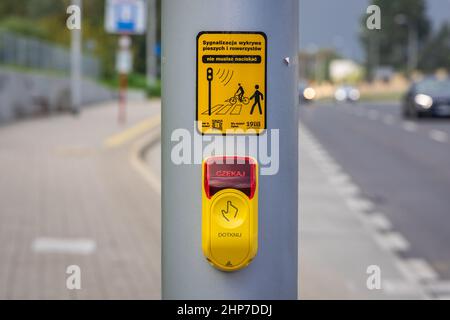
(258,96)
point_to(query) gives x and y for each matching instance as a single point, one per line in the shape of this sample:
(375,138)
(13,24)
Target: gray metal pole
(75,65)
(273,273)
(152,62)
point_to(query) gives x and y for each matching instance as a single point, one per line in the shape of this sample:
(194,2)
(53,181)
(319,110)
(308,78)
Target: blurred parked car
(428,97)
(347,94)
(305,92)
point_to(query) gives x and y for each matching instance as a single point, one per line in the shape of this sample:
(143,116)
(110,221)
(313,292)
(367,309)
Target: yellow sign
(231,82)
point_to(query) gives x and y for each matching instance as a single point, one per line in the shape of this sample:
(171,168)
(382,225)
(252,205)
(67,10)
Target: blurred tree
(436,53)
(46,19)
(389,45)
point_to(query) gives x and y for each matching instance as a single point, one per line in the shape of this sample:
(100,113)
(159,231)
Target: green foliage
(46,19)
(436,53)
(135,81)
(392,39)
(22,26)
(154,90)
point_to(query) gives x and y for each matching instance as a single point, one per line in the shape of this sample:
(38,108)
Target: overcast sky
(335,23)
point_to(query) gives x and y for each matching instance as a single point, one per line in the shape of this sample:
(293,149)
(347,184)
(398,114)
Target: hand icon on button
(230,210)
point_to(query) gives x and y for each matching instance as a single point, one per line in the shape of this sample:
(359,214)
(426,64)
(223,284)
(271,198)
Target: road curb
(137,157)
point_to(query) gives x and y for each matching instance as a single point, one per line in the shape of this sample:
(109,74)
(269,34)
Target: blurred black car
(428,97)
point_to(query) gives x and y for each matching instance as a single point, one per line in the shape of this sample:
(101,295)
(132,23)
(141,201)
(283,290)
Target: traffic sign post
(124,65)
(202,40)
(125,17)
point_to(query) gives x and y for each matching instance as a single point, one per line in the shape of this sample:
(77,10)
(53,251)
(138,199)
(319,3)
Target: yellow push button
(229,209)
(230,214)
(229,229)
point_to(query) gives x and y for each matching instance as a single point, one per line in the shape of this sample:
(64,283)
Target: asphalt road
(402,166)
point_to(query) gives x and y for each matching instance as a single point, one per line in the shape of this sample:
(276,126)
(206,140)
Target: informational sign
(125,16)
(231,82)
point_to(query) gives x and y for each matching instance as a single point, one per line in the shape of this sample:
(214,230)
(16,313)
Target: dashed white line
(393,241)
(409,126)
(440,289)
(349,189)
(380,222)
(439,136)
(359,204)
(339,178)
(440,286)
(63,246)
(422,269)
(414,270)
(330,168)
(398,287)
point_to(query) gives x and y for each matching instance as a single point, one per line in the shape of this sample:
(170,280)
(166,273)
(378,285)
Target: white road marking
(330,168)
(398,287)
(439,136)
(63,246)
(349,189)
(422,269)
(380,222)
(409,126)
(393,241)
(440,287)
(359,204)
(340,178)
(389,119)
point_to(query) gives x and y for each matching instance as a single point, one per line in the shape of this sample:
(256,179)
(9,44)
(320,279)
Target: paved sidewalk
(67,199)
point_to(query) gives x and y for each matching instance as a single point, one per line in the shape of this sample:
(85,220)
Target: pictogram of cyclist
(239,96)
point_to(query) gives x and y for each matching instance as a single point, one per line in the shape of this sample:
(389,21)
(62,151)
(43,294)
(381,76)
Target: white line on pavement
(440,289)
(379,221)
(330,168)
(398,287)
(409,126)
(340,178)
(349,189)
(359,204)
(393,241)
(422,269)
(439,136)
(63,246)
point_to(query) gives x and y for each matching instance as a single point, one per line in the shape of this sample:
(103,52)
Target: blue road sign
(125,16)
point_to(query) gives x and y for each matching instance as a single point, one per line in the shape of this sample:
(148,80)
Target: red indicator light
(225,172)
